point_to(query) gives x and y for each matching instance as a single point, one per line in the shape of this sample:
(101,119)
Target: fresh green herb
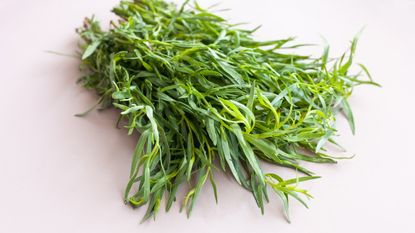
(204,95)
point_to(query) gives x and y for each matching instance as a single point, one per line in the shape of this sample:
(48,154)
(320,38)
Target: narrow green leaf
(349,115)
(91,49)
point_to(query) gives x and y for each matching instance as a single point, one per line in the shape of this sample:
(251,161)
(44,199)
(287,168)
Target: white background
(59,173)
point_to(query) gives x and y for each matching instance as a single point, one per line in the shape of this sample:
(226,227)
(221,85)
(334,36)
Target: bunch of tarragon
(206,96)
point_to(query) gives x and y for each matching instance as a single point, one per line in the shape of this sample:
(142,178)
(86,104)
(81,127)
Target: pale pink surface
(59,173)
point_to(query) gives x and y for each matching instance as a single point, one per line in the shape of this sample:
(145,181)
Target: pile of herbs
(205,95)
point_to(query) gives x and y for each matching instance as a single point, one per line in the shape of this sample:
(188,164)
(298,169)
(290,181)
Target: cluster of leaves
(204,95)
